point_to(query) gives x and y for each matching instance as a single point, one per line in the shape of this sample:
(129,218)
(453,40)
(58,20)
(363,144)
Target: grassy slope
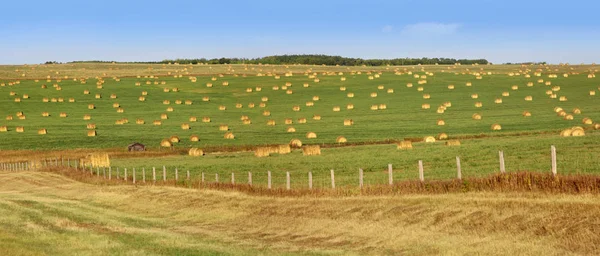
(48,214)
(403,117)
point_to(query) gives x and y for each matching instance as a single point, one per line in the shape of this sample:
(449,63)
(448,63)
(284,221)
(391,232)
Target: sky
(500,31)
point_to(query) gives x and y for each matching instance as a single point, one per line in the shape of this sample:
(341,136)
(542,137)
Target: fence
(131,175)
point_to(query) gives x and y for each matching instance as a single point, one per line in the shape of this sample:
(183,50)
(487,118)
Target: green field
(403,117)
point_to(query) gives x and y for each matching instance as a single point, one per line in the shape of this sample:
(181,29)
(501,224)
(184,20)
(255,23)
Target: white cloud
(430,29)
(387,28)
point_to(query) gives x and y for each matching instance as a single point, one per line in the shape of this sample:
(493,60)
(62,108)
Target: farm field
(291,111)
(45,213)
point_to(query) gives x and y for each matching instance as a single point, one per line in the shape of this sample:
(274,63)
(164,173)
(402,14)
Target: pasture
(259,107)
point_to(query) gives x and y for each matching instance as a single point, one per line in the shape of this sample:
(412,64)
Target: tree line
(313,59)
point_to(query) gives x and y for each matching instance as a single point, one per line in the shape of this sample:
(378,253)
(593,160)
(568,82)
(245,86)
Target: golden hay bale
(476,116)
(284,149)
(157,122)
(185,126)
(390,90)
(302,120)
(350,95)
(193,119)
(291,129)
(164,116)
(264,99)
(178,102)
(597,126)
(341,139)
(373,95)
(576,111)
(9,117)
(316,117)
(429,139)
(496,127)
(63,114)
(478,104)
(71,100)
(175,89)
(568,117)
(348,122)
(311,150)
(86,92)
(553,96)
(42,131)
(205,98)
(120,110)
(194,138)
(3,128)
(562,113)
(91,106)
(25,96)
(45,100)
(288,121)
(426,96)
(174,139)
(98,96)
(271,122)
(113,96)
(440,122)
(289,92)
(528,98)
(311,135)
(315,98)
(166,143)
(91,133)
(442,136)
(170,109)
(374,107)
(266,113)
(557,109)
(295,143)
(592,93)
(382,106)
(308,104)
(195,152)
(451,87)
(406,144)
(229,136)
(420,88)
(577,131)
(45,114)
(498,100)
(562,98)
(20,129)
(336,109)
(526,114)
(587,121)
(441,110)
(566,132)
(474,96)
(206,119)
(425,106)
(453,143)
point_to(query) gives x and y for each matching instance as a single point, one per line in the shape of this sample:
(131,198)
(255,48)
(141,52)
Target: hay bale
(390,90)
(91,133)
(373,95)
(271,122)
(166,143)
(91,106)
(426,96)
(442,136)
(205,98)
(562,98)
(185,126)
(474,96)
(247,121)
(164,116)
(45,114)
(374,107)
(195,152)
(311,135)
(174,139)
(348,122)
(311,150)
(496,127)
(478,104)
(350,106)
(229,136)
(206,119)
(316,117)
(505,94)
(336,109)
(476,116)
(440,122)
(526,113)
(315,98)
(262,151)
(453,143)
(592,93)
(3,128)
(302,120)
(528,98)
(20,129)
(498,101)
(566,132)
(42,131)
(193,119)
(295,143)
(576,111)
(429,139)
(406,144)
(409,85)
(157,122)
(568,117)
(341,139)
(284,149)
(63,114)
(587,121)
(577,131)
(596,126)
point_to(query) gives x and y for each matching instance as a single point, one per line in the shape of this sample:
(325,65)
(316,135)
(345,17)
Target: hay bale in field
(71,100)
(374,107)
(592,93)
(45,114)
(350,106)
(498,101)
(526,113)
(291,129)
(91,106)
(120,110)
(178,102)
(308,104)
(442,136)
(140,121)
(420,88)
(425,106)
(113,96)
(453,143)
(42,131)
(288,121)
(316,98)
(166,143)
(341,139)
(3,128)
(295,143)
(311,150)
(193,119)
(562,98)
(238,105)
(316,117)
(390,90)
(311,135)
(496,127)
(206,119)
(451,87)
(562,113)
(348,122)
(476,116)
(350,95)
(271,122)
(284,149)
(86,92)
(336,109)
(91,126)
(164,116)
(262,151)
(596,126)
(568,117)
(229,136)
(528,98)
(373,95)
(157,122)
(98,96)
(478,104)
(576,111)
(174,139)
(302,120)
(63,114)
(205,98)
(429,139)
(587,121)
(514,87)
(577,131)
(440,122)
(194,138)
(195,152)
(426,96)
(382,106)
(566,132)
(175,89)
(474,96)
(266,113)
(20,129)
(406,144)
(91,133)
(185,126)
(45,99)
(95,160)
(170,109)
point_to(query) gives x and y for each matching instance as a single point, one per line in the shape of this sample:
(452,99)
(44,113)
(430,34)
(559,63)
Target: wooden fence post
(421,174)
(153,174)
(125,174)
(97,171)
(62,161)
(202,177)
(287,180)
(269,179)
(232,178)
(250,178)
(360,178)
(133,175)
(458,170)
(216,177)
(176,175)
(332,179)
(76,165)
(109,173)
(310,180)
(143,174)
(69,162)
(501,156)
(188,175)
(164,173)
(390,174)
(118,174)
(104,172)
(553,154)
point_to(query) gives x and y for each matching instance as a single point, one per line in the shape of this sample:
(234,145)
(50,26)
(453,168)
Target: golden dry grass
(45,213)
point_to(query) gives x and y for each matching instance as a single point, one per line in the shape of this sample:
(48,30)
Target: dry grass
(342,222)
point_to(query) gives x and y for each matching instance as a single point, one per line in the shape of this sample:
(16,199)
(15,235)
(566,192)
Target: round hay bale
(350,106)
(442,136)
(382,106)
(374,107)
(425,106)
(514,87)
(373,95)
(350,95)
(592,93)
(63,114)
(566,132)
(87,117)
(557,109)
(576,111)
(164,116)
(390,90)
(420,88)
(336,109)
(3,128)
(498,101)
(528,98)
(478,104)
(596,126)
(157,122)
(316,98)
(406,144)
(429,139)
(474,96)
(295,143)
(496,127)
(476,116)
(348,122)
(311,150)
(45,114)
(316,117)
(194,138)
(291,129)
(185,126)
(426,96)
(587,121)
(505,94)
(311,135)
(271,122)
(250,105)
(223,127)
(526,114)
(577,131)
(195,152)
(91,133)
(308,104)
(562,98)
(341,139)
(302,120)
(247,121)
(42,131)
(441,122)
(174,139)
(140,121)
(91,106)
(166,143)
(568,117)
(206,98)
(266,113)
(229,136)
(98,96)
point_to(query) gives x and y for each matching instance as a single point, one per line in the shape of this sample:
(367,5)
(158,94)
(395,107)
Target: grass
(45,213)
(403,117)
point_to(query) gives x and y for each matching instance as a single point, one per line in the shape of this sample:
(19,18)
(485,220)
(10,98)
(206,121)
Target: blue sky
(500,31)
